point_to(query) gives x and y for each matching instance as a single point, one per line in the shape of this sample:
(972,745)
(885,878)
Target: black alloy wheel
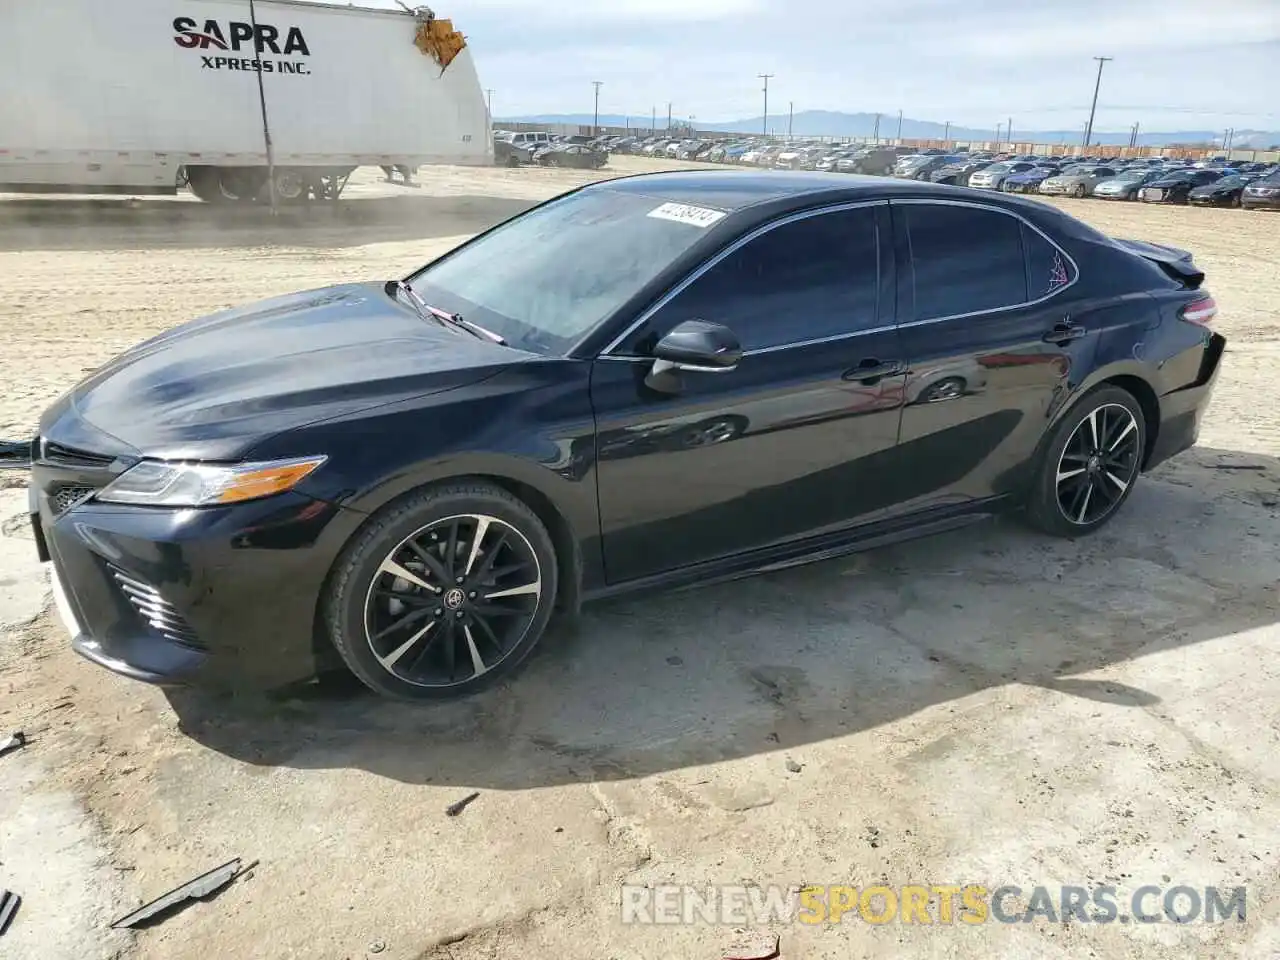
(1089,464)
(452,600)
(1098,463)
(444,593)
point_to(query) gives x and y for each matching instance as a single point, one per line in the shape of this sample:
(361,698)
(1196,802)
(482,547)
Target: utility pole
(766,77)
(791,115)
(946,131)
(1008,132)
(997,136)
(875,134)
(1231,136)
(653,120)
(1088,130)
(595,124)
(1133,136)
(266,127)
(899,125)
(668,116)
(488,94)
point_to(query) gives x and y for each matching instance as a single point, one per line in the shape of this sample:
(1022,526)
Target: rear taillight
(1200,311)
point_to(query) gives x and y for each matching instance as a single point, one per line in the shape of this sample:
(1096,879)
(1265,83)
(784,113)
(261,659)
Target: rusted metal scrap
(200,888)
(437,38)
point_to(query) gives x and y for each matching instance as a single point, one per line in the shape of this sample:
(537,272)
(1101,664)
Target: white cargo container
(117,97)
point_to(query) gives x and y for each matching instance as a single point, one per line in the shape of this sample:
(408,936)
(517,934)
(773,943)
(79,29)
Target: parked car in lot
(1227,192)
(958,173)
(878,161)
(1263,193)
(1029,180)
(409,478)
(993,176)
(1126,183)
(921,167)
(1174,187)
(1077,181)
(572,155)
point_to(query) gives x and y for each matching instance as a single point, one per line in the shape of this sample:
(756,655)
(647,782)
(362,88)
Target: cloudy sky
(1179,64)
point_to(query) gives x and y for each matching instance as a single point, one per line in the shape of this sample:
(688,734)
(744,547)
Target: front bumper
(1261,203)
(220,596)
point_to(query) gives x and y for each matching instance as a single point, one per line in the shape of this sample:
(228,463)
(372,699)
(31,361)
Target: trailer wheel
(242,184)
(292,186)
(206,184)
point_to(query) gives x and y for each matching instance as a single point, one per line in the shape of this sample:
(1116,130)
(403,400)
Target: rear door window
(964,259)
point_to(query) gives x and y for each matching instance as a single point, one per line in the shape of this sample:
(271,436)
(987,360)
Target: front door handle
(1064,332)
(872,369)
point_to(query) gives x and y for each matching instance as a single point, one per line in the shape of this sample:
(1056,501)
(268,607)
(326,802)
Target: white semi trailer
(127,97)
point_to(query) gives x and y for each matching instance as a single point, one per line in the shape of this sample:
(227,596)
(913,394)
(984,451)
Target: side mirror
(699,346)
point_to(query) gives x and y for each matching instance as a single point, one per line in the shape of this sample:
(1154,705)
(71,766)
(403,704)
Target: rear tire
(443,592)
(206,184)
(1089,464)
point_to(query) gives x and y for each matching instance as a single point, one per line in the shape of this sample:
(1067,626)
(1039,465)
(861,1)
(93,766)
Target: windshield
(1235,180)
(1003,167)
(547,277)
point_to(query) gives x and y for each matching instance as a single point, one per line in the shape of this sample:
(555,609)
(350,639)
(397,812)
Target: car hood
(215,387)
(1209,189)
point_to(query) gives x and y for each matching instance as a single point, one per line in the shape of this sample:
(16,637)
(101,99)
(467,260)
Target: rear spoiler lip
(1176,263)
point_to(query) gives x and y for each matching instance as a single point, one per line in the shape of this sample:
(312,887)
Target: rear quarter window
(1048,269)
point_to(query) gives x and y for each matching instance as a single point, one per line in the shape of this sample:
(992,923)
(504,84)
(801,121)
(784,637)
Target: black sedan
(1263,193)
(646,382)
(1222,193)
(1176,187)
(572,155)
(957,174)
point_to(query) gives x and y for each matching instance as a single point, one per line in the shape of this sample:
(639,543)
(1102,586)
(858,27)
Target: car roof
(731,190)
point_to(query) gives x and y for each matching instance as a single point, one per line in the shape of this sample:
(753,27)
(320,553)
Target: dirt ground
(988,706)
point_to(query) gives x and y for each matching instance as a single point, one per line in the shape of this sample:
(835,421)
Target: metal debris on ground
(200,888)
(792,766)
(453,809)
(8,907)
(754,946)
(13,742)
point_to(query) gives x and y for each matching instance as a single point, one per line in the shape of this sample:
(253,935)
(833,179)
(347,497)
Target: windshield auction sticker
(686,213)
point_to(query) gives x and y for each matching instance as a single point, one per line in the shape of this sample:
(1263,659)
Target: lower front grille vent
(157,612)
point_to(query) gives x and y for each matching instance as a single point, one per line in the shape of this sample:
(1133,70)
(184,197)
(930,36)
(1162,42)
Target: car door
(989,341)
(788,443)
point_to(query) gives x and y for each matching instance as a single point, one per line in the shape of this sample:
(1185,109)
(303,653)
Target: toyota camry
(647,382)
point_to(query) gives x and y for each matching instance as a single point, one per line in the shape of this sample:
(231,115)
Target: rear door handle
(872,369)
(1064,333)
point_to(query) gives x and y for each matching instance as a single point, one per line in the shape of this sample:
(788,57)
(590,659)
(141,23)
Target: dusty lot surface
(988,707)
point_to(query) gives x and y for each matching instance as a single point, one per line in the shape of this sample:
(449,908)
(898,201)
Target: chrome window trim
(919,201)
(679,288)
(737,245)
(834,338)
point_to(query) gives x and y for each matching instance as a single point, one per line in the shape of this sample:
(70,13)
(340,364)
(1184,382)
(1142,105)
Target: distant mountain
(827,123)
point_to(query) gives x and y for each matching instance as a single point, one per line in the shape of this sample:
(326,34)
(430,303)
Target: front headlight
(156,483)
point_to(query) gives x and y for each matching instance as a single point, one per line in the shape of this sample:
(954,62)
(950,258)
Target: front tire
(442,593)
(1079,192)
(1089,465)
